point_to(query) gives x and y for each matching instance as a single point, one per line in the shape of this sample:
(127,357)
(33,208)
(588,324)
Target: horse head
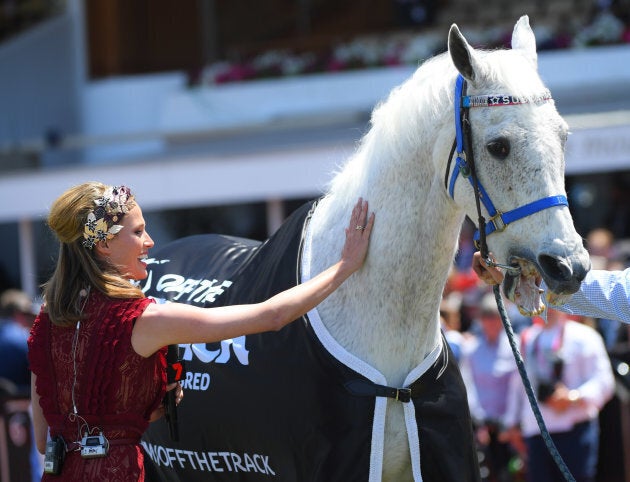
(513,141)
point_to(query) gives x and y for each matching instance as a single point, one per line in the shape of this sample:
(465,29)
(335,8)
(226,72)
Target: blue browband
(498,220)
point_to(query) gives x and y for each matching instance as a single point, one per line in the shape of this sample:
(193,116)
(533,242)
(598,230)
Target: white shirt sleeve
(603,294)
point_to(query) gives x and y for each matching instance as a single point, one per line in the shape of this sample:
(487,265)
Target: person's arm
(172,323)
(40,427)
(603,294)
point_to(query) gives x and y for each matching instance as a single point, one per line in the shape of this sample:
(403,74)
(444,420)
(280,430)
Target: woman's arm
(40,427)
(172,323)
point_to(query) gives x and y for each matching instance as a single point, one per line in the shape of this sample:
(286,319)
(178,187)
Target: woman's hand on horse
(357,236)
(489,274)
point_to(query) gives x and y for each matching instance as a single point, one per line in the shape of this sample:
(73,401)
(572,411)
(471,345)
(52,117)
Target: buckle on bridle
(497,220)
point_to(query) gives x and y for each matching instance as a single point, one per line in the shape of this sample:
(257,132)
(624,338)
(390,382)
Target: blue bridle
(498,220)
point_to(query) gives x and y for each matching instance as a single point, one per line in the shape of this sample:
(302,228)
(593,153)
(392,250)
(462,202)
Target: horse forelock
(507,72)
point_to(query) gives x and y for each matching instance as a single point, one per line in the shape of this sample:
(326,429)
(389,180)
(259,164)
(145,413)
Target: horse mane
(394,126)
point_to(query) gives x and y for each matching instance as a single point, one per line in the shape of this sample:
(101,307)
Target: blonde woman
(97,349)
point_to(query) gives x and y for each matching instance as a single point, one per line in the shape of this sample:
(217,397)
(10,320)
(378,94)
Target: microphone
(174,373)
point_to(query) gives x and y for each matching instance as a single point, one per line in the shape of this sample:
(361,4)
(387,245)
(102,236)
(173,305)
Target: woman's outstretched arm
(172,323)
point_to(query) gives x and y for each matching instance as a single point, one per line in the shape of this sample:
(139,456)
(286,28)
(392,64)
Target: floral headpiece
(110,208)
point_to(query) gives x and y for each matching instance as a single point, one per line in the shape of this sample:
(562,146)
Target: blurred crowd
(561,353)
(17,313)
(603,22)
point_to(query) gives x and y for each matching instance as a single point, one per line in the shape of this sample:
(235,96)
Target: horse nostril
(555,267)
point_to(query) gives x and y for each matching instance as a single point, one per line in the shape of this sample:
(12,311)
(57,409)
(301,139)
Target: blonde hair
(78,267)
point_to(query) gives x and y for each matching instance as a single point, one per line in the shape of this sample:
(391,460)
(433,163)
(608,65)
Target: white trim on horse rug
(368,371)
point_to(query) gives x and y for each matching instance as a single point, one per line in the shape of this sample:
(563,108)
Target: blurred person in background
(450,321)
(600,243)
(572,379)
(16,318)
(17,313)
(487,367)
(604,293)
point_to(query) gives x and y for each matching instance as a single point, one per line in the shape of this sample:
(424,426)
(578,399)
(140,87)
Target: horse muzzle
(562,276)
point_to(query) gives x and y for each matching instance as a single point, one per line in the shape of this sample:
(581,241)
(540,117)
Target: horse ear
(523,39)
(462,54)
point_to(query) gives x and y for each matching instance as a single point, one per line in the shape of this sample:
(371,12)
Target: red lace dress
(116,389)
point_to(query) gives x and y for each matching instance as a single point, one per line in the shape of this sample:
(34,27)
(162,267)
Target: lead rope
(528,388)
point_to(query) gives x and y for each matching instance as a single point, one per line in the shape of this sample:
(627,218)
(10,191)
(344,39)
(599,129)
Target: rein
(465,165)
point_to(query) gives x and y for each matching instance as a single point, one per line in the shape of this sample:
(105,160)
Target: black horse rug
(291,405)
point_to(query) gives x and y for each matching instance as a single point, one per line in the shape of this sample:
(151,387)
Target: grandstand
(103,89)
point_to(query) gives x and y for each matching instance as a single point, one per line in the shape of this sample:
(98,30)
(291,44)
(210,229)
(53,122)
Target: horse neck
(387,313)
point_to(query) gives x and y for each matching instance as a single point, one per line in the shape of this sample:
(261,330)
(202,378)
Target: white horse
(386,315)
(383,323)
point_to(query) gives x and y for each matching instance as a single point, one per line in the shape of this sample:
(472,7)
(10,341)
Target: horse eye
(499,148)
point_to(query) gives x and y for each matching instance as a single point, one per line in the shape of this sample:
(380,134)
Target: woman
(97,348)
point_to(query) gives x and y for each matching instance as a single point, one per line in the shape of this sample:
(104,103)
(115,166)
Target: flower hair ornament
(101,221)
